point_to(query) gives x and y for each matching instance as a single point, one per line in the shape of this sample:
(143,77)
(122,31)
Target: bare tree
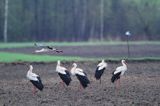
(92,31)
(83,25)
(102,20)
(147,20)
(6,21)
(75,19)
(146,25)
(36,19)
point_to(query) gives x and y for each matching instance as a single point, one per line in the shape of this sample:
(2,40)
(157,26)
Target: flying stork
(46,48)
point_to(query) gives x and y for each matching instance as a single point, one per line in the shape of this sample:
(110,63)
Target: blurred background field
(81,51)
(82,28)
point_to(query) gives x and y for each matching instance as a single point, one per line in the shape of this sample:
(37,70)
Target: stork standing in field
(63,74)
(35,80)
(81,76)
(45,48)
(100,70)
(116,75)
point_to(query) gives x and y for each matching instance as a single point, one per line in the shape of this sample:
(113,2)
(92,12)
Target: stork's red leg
(62,83)
(80,87)
(117,84)
(34,90)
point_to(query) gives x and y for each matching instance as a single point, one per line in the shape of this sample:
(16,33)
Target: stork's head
(123,61)
(74,65)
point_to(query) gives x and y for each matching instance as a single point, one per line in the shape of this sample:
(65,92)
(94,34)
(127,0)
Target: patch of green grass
(17,57)
(31,44)
(15,45)
(6,57)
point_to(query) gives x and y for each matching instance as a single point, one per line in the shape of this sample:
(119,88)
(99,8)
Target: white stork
(35,80)
(118,73)
(63,74)
(81,76)
(45,48)
(100,69)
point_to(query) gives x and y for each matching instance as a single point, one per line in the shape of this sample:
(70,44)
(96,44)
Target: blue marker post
(128,34)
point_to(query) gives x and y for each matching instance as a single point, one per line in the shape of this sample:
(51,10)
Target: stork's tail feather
(115,77)
(66,78)
(83,80)
(38,84)
(98,73)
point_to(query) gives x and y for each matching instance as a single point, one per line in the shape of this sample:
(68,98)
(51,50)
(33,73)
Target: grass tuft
(7,57)
(18,57)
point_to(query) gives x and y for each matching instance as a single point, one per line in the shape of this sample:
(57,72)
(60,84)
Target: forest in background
(80,20)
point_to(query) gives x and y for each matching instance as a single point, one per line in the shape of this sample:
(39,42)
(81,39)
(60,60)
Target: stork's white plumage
(31,75)
(81,75)
(34,79)
(63,73)
(119,72)
(122,68)
(102,65)
(42,50)
(59,68)
(100,70)
(76,70)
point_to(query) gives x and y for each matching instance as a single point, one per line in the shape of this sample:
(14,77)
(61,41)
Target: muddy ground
(139,87)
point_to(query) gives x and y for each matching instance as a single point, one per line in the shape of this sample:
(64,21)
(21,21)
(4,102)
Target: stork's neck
(124,64)
(58,63)
(74,67)
(58,66)
(102,64)
(73,70)
(30,70)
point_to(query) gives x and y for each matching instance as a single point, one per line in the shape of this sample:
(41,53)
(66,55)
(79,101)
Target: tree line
(80,20)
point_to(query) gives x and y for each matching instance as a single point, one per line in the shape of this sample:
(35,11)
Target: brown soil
(139,87)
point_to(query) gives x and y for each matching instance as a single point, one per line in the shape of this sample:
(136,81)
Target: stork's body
(63,74)
(81,76)
(100,70)
(35,80)
(116,75)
